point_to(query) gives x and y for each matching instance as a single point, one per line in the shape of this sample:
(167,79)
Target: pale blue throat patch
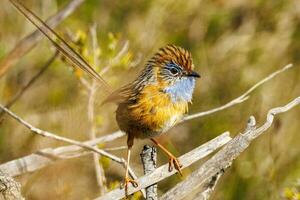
(181,90)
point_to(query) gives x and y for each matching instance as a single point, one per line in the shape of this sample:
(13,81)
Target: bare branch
(209,187)
(121,53)
(85,83)
(241,98)
(116,58)
(148,157)
(163,172)
(31,40)
(67,140)
(210,184)
(115,148)
(9,188)
(100,176)
(56,137)
(48,156)
(225,156)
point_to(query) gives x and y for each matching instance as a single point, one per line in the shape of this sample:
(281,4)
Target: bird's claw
(174,163)
(126,183)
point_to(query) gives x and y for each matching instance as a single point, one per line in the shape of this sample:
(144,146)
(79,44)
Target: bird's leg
(127,179)
(173,161)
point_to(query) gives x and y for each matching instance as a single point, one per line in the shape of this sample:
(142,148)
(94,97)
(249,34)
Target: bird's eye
(174,71)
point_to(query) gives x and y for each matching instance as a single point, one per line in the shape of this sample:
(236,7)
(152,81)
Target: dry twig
(148,157)
(210,184)
(209,187)
(100,175)
(48,156)
(225,156)
(9,188)
(163,172)
(67,140)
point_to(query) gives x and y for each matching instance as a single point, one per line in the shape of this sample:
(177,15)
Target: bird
(156,100)
(148,106)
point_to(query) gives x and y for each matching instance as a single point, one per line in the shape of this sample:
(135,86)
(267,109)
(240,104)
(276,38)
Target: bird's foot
(128,180)
(174,163)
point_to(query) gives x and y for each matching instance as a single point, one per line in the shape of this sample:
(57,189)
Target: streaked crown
(172,63)
(173,54)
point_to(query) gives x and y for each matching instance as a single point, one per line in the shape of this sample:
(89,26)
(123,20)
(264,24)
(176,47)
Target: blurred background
(234,44)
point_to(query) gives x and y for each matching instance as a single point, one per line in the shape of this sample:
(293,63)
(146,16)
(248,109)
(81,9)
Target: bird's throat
(181,90)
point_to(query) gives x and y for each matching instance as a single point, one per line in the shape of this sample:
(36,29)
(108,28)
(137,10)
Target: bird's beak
(193,74)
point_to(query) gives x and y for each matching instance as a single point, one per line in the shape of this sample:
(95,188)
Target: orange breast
(155,110)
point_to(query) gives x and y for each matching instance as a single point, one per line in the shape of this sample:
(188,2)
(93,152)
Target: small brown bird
(157,100)
(149,106)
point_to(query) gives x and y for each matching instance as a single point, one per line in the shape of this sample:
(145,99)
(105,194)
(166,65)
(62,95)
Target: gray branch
(60,138)
(163,172)
(45,157)
(53,136)
(149,157)
(9,188)
(100,175)
(224,157)
(209,186)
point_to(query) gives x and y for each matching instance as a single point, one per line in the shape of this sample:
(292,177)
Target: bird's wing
(61,44)
(119,95)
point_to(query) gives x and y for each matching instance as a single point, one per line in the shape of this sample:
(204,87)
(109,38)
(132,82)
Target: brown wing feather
(60,44)
(119,95)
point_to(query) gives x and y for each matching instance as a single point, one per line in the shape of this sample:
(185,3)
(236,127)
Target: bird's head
(173,68)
